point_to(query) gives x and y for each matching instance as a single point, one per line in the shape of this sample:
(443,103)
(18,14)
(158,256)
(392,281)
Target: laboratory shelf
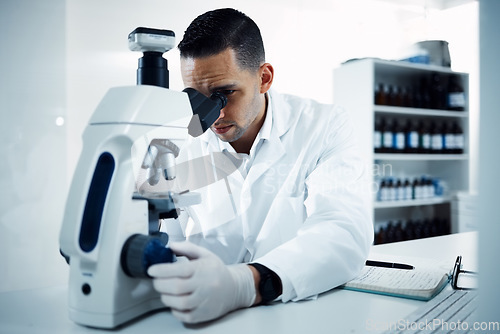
(396,68)
(409,203)
(419,112)
(419,157)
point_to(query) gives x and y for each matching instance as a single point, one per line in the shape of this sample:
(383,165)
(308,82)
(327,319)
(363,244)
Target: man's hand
(203,288)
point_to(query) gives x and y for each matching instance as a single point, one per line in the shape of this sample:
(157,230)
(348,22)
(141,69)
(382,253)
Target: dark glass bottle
(415,194)
(422,188)
(409,230)
(456,95)
(391,190)
(391,97)
(410,98)
(426,228)
(418,101)
(411,137)
(404,97)
(380,95)
(424,137)
(408,190)
(448,139)
(438,95)
(459,140)
(435,227)
(436,138)
(397,97)
(389,232)
(446,226)
(431,191)
(382,191)
(377,136)
(417,229)
(381,236)
(398,138)
(400,190)
(387,135)
(425,92)
(398,232)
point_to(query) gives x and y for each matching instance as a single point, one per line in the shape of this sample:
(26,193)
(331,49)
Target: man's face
(244,113)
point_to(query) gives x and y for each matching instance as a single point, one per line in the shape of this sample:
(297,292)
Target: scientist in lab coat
(292,220)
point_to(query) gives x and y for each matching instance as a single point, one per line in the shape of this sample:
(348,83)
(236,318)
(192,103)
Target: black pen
(389,265)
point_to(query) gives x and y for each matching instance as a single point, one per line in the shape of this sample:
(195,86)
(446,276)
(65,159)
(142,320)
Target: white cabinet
(420,98)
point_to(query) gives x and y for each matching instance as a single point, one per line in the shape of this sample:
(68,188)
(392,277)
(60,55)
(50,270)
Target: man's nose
(221,115)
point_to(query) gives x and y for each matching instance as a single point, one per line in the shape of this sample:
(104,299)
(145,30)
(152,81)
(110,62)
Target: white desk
(336,311)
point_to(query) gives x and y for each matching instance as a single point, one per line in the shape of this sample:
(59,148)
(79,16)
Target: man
(293,220)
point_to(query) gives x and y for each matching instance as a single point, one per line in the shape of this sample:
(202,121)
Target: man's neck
(244,144)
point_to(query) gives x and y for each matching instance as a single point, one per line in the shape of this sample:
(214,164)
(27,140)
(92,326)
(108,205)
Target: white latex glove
(203,288)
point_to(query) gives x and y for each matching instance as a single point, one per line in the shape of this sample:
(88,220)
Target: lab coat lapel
(270,153)
(272,150)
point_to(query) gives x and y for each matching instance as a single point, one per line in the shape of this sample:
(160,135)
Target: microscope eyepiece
(219,98)
(205,110)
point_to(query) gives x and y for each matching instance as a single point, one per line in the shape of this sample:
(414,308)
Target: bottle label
(418,192)
(456,99)
(408,193)
(412,140)
(377,139)
(426,141)
(431,191)
(449,141)
(437,142)
(392,194)
(459,141)
(399,141)
(387,139)
(400,193)
(384,194)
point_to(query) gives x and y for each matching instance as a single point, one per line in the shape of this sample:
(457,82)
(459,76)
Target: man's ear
(266,72)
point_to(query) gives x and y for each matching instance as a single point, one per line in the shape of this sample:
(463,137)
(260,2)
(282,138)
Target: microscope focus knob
(142,251)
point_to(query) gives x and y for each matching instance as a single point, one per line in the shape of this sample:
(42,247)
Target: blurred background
(59,58)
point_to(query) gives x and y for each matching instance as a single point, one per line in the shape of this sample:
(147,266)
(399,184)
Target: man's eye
(227,92)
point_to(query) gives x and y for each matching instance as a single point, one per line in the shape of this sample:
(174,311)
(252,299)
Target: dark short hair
(217,30)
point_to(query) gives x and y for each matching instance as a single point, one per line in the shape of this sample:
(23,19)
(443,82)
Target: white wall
(77,50)
(32,147)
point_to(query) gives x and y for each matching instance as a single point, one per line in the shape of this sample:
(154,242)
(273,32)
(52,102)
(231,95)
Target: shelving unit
(354,86)
(419,111)
(419,157)
(410,203)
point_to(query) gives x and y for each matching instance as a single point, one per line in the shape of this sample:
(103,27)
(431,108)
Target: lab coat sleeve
(332,244)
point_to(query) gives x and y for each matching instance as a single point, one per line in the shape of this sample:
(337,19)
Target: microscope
(122,187)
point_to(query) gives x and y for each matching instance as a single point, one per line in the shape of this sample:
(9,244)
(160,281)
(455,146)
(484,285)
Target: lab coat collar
(265,130)
(282,118)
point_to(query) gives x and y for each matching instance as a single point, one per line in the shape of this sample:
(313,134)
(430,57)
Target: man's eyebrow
(223,87)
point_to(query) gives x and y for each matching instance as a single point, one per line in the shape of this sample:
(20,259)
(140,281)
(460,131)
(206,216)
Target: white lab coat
(303,208)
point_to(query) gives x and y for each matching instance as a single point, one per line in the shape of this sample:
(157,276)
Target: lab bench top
(45,310)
